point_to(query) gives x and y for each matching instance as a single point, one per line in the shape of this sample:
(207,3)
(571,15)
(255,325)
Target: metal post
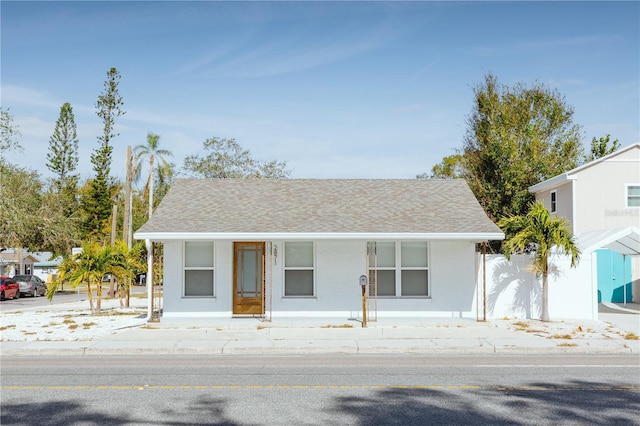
(365,286)
(624,280)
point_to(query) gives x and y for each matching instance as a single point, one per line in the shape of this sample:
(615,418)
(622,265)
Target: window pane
(414,254)
(634,202)
(386,255)
(298,254)
(198,283)
(634,190)
(198,254)
(386,283)
(298,283)
(414,283)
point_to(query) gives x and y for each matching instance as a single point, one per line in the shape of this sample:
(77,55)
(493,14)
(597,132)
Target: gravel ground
(61,325)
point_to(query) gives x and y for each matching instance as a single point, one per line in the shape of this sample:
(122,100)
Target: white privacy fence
(514,291)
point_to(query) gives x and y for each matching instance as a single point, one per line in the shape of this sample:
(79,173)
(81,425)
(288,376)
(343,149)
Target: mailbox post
(363,284)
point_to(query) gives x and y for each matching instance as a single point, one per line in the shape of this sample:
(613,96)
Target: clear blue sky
(357,89)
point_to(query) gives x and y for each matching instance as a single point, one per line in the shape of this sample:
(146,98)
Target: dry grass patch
(6,327)
(116,313)
(567,344)
(73,326)
(631,336)
(561,336)
(337,326)
(87,325)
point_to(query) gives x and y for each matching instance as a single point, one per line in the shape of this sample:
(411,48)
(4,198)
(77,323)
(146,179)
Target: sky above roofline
(338,90)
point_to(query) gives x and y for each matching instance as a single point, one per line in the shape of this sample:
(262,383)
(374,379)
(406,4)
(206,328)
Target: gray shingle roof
(318,206)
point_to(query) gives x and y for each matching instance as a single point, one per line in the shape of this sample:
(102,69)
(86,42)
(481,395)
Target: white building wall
(601,193)
(564,201)
(338,266)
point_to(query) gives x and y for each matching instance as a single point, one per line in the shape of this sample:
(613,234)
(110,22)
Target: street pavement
(613,334)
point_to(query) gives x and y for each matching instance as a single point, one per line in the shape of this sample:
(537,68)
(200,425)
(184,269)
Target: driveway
(624,317)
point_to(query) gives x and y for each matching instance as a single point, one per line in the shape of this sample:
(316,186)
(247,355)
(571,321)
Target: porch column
(149,278)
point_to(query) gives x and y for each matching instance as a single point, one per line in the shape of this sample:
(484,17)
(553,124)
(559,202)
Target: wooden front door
(248,278)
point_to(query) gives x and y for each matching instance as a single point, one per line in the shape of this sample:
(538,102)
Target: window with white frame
(554,201)
(402,269)
(298,269)
(198,269)
(633,195)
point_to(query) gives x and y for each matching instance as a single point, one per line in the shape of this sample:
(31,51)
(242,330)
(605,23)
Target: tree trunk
(151,161)
(89,295)
(99,296)
(545,291)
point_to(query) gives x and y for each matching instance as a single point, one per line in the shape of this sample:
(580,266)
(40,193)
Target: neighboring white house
(296,248)
(600,199)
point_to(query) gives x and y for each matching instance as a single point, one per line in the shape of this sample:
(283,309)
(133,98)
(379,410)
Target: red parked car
(9,288)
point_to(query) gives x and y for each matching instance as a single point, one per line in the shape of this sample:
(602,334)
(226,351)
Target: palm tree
(128,263)
(540,232)
(90,266)
(152,151)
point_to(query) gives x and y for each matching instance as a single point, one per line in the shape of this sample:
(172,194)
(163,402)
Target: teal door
(614,274)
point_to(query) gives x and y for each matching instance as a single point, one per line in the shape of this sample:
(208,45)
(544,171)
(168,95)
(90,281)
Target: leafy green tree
(9,132)
(227,159)
(600,148)
(540,232)
(60,224)
(20,207)
(97,201)
(151,151)
(449,168)
(31,216)
(516,137)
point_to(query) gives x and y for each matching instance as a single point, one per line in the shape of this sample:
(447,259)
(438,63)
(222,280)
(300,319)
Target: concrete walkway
(316,336)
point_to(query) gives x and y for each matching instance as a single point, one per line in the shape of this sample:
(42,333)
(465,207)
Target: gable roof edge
(569,175)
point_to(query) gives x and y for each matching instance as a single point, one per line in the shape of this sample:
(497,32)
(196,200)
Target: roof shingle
(319,206)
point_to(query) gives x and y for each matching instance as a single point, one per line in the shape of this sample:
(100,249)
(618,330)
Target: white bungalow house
(601,202)
(298,248)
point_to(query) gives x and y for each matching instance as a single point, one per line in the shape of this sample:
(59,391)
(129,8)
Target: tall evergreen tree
(97,200)
(62,158)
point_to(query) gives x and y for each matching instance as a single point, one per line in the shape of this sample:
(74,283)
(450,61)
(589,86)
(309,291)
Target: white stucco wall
(338,266)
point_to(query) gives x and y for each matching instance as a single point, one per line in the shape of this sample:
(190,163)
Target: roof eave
(552,183)
(364,236)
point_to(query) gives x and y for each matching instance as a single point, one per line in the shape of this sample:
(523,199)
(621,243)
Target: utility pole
(128,217)
(126,226)
(114,222)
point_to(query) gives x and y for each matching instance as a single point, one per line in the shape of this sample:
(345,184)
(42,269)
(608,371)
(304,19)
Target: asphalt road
(318,390)
(60,297)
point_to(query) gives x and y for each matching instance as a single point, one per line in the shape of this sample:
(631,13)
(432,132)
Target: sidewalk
(252,336)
